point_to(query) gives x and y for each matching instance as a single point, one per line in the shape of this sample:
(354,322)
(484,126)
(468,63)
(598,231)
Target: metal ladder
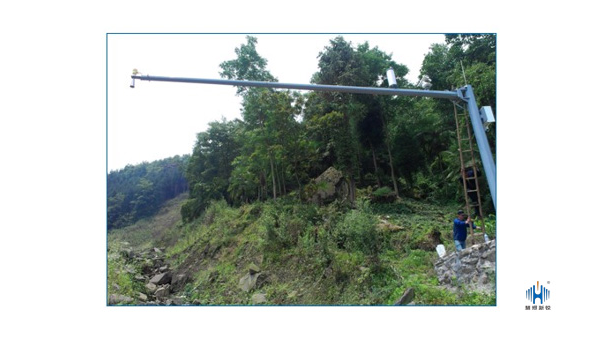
(465,148)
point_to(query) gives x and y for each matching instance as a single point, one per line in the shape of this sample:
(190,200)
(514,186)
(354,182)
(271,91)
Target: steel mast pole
(489,166)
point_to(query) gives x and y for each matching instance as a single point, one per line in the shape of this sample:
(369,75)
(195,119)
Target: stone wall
(474,267)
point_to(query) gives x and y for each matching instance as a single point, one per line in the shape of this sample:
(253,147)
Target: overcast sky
(156,120)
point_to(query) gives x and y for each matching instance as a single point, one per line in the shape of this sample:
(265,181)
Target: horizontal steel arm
(316,87)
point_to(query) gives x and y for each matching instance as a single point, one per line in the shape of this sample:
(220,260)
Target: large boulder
(329,186)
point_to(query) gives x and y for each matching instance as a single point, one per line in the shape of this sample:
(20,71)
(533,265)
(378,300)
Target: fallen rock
(118,299)
(151,287)
(143,297)
(248,282)
(162,292)
(259,298)
(163,268)
(252,269)
(406,298)
(161,278)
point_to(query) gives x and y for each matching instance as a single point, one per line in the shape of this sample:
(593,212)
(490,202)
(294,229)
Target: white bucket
(441,250)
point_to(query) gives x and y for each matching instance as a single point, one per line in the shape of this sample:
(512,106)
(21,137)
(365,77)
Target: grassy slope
(308,255)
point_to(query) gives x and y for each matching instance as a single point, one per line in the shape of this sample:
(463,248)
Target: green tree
(469,58)
(248,65)
(374,126)
(210,166)
(335,116)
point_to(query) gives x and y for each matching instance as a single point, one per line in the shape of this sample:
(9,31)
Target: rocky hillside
(290,253)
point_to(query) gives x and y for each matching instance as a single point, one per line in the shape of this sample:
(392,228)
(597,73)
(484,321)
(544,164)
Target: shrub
(191,209)
(382,191)
(490,225)
(284,223)
(384,195)
(357,231)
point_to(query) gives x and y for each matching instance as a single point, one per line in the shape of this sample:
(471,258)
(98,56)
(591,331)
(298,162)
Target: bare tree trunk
(281,180)
(357,159)
(352,190)
(273,176)
(375,164)
(392,169)
(283,183)
(277,178)
(299,185)
(263,186)
(387,144)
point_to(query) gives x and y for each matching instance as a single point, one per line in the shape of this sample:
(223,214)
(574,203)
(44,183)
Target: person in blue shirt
(461,222)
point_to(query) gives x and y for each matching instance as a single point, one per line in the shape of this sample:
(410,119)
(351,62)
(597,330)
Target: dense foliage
(137,191)
(286,138)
